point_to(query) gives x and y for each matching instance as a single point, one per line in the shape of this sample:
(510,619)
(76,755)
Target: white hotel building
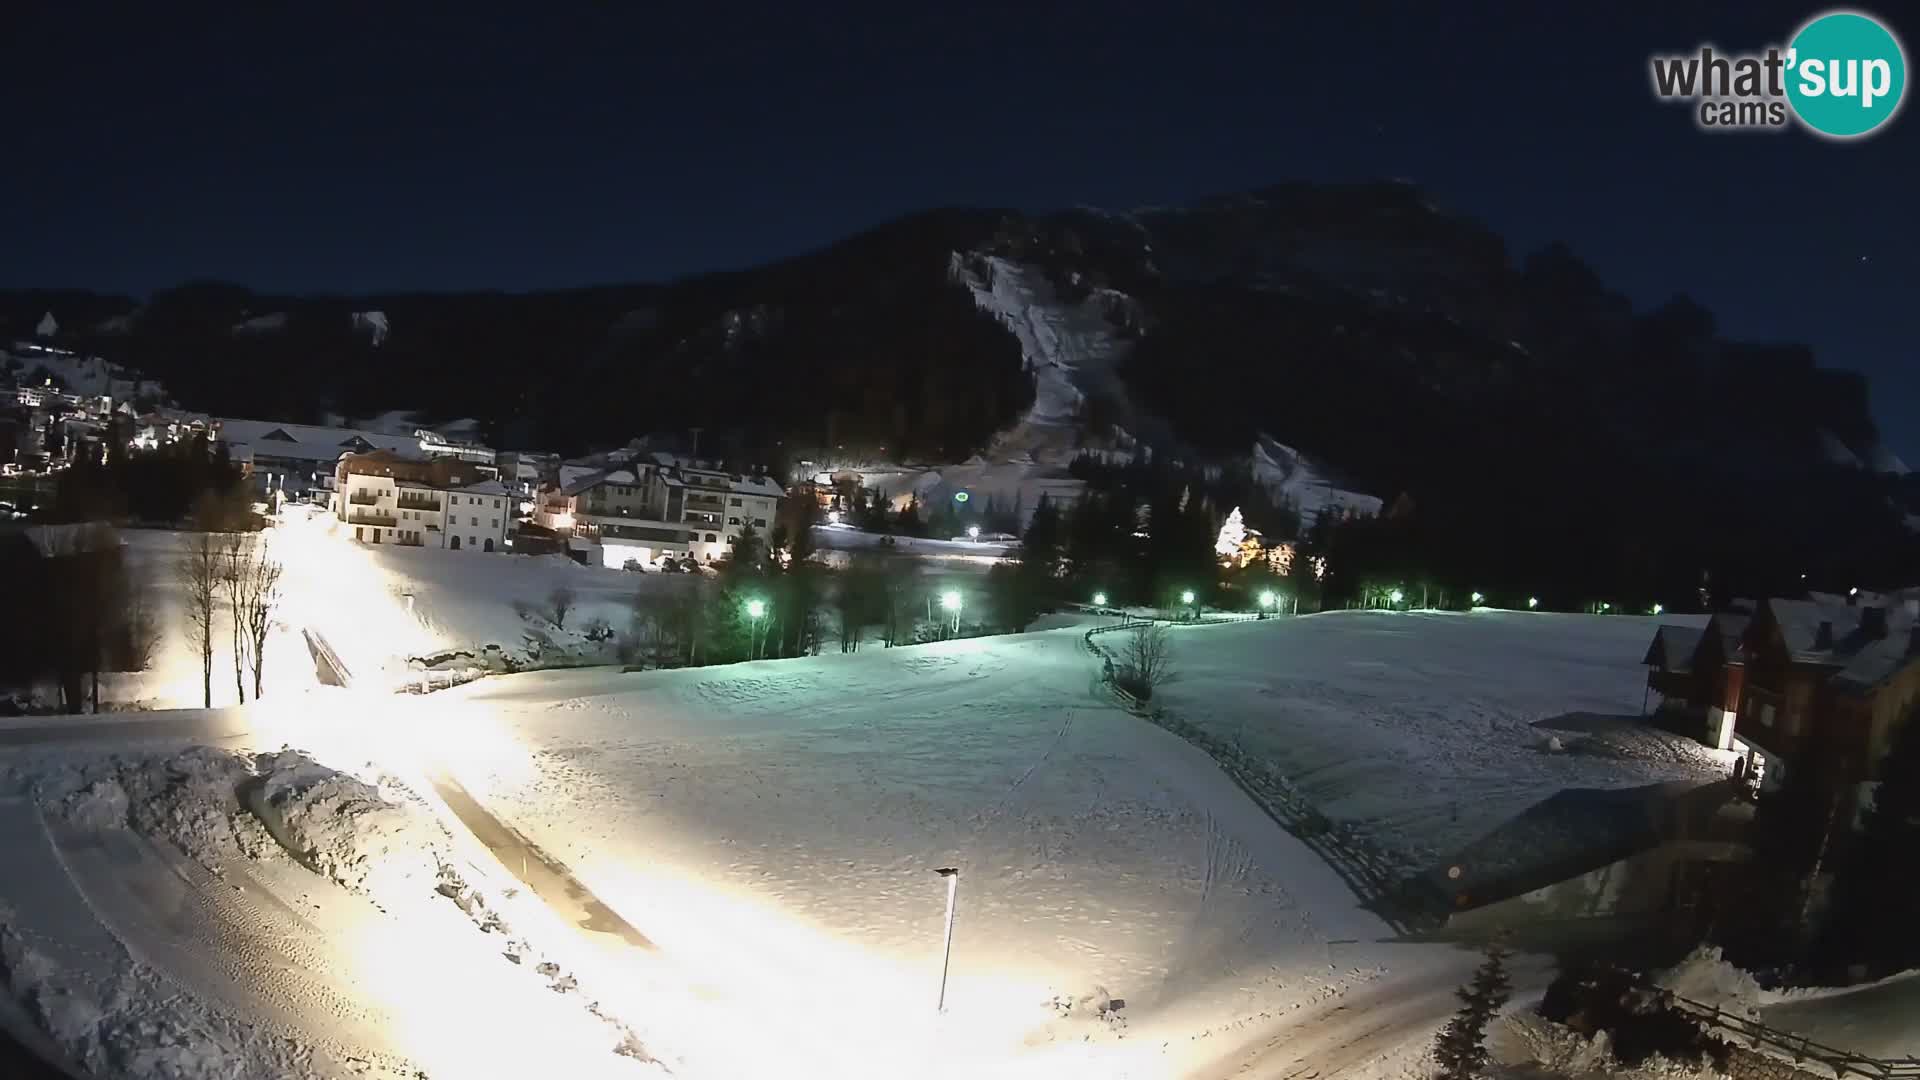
(658,507)
(444,503)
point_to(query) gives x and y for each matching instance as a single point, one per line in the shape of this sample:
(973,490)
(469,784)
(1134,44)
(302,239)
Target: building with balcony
(658,507)
(447,503)
(1821,684)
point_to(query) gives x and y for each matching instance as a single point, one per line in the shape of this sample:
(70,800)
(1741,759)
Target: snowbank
(1706,977)
(379,957)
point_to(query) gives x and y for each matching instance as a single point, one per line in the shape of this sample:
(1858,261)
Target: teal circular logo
(1846,74)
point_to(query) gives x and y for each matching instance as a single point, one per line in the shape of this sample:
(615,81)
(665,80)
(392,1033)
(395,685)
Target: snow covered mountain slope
(1292,477)
(1071,348)
(87,376)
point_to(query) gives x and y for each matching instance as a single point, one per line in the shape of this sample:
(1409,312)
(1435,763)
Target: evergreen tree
(1232,534)
(1461,1047)
(872,515)
(1035,586)
(1872,920)
(909,522)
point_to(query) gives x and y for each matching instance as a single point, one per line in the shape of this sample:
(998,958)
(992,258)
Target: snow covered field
(734,866)
(1417,728)
(778,824)
(380,609)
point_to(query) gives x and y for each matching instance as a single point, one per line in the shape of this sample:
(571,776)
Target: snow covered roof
(1732,628)
(310,441)
(1811,629)
(485,487)
(758,485)
(580,482)
(573,470)
(1673,648)
(1867,643)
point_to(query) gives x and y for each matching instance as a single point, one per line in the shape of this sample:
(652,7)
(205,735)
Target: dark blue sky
(351,148)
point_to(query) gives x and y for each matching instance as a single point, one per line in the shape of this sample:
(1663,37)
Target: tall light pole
(952,874)
(756,610)
(950,601)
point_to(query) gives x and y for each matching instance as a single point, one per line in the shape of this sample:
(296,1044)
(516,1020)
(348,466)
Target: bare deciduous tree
(199,571)
(1146,660)
(250,576)
(559,602)
(653,639)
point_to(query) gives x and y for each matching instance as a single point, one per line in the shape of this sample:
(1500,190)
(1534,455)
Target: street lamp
(756,610)
(973,532)
(950,601)
(1479,598)
(1396,596)
(1099,599)
(1267,600)
(1657,609)
(952,874)
(1605,607)
(1532,602)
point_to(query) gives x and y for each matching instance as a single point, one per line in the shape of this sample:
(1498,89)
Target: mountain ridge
(1359,325)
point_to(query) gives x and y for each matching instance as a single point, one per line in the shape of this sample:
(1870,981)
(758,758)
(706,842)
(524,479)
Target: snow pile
(345,829)
(1706,977)
(254,965)
(1528,1046)
(191,799)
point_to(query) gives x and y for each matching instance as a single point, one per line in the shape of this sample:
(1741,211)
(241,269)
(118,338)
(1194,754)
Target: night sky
(352,149)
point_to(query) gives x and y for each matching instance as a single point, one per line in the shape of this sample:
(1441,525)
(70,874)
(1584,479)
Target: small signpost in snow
(952,874)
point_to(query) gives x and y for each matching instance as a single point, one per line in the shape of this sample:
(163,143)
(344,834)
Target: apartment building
(658,507)
(446,503)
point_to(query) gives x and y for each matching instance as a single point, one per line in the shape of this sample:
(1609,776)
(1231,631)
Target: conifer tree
(1461,1048)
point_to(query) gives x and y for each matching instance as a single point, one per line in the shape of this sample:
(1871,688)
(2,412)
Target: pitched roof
(581,483)
(310,442)
(1877,662)
(1841,636)
(1673,647)
(1727,630)
(485,487)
